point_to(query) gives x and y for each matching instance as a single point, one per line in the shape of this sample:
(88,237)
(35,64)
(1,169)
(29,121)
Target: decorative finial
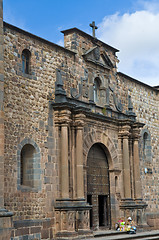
(60,93)
(94,27)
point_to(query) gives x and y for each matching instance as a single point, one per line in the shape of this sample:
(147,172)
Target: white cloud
(136,35)
(151,6)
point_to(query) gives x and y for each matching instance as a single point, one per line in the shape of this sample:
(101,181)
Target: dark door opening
(103,210)
(89,200)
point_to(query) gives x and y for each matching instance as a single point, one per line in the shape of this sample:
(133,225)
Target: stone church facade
(79,140)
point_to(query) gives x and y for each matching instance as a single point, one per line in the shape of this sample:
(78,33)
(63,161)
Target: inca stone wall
(30,119)
(5,216)
(145,101)
(29,116)
(1,109)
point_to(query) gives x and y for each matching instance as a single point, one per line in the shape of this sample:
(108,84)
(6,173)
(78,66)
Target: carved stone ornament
(74,92)
(96,53)
(83,87)
(98,57)
(130,105)
(118,103)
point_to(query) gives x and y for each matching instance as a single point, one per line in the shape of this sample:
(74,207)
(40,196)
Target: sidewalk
(114,235)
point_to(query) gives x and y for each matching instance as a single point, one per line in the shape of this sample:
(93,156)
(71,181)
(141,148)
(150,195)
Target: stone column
(131,164)
(74,184)
(64,162)
(126,162)
(79,122)
(121,183)
(64,121)
(137,180)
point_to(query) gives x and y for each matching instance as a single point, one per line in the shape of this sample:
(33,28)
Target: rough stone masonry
(79,140)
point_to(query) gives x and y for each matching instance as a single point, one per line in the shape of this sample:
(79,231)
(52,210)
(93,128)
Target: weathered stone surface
(63,134)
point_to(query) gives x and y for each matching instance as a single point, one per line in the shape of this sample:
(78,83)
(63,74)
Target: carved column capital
(56,117)
(124,131)
(62,117)
(79,120)
(136,134)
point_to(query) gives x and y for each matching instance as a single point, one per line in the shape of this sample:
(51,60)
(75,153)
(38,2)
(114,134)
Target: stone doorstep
(122,235)
(66,235)
(151,238)
(106,233)
(81,234)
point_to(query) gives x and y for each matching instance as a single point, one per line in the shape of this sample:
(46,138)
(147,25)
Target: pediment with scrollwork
(98,57)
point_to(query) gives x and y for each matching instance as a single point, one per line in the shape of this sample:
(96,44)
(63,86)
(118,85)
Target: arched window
(146,143)
(26,61)
(96,89)
(29,170)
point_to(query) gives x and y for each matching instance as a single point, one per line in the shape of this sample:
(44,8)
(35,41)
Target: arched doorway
(98,187)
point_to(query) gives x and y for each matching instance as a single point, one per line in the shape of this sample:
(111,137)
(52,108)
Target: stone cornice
(116,171)
(5,213)
(132,204)
(137,81)
(78,107)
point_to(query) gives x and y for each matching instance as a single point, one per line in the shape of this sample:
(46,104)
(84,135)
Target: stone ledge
(29,223)
(5,213)
(72,205)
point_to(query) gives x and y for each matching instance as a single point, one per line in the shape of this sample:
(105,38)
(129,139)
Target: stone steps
(150,238)
(114,235)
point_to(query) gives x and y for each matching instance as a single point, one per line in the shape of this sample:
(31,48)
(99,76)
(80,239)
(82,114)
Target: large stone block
(5,224)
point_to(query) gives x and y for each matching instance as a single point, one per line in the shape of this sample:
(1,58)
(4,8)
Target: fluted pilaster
(126,162)
(136,161)
(79,123)
(62,120)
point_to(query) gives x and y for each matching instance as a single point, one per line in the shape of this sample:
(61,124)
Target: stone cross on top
(94,27)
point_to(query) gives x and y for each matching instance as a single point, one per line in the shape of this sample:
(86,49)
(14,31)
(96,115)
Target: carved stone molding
(136,129)
(72,216)
(124,131)
(79,120)
(62,117)
(136,134)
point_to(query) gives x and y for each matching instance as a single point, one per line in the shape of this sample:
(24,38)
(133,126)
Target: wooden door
(98,187)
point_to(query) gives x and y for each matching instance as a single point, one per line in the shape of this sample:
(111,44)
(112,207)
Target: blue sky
(129,25)
(47,17)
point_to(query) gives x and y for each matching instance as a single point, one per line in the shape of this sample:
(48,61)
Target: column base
(72,219)
(135,208)
(5,224)
(66,235)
